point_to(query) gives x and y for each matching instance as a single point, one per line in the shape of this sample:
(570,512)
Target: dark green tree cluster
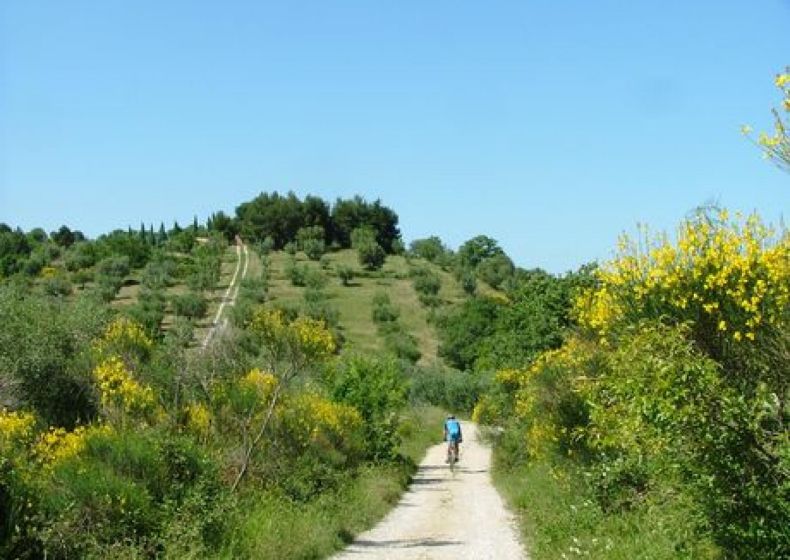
(282,217)
(484,333)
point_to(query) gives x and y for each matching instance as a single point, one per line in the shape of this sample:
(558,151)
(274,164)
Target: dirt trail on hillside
(445,516)
(217,324)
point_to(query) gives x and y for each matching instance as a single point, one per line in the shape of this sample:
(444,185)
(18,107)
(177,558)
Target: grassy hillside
(354,302)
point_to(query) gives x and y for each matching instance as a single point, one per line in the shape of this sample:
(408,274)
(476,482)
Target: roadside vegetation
(637,407)
(660,406)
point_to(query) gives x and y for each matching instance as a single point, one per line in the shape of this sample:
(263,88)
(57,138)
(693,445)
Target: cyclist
(452,435)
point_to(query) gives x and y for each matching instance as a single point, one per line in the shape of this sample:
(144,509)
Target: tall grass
(271,526)
(560,520)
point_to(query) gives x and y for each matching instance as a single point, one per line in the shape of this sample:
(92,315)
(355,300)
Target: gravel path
(230,294)
(443,515)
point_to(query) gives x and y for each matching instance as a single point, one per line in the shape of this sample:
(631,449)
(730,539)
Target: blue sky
(551,126)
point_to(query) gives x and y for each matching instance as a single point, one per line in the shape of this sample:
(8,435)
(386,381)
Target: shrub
(266,246)
(158,274)
(297,273)
(291,248)
(345,273)
(377,389)
(254,289)
(402,345)
(429,249)
(149,311)
(314,279)
(371,255)
(383,310)
(82,277)
(56,286)
(190,305)
(468,282)
(426,282)
(114,267)
(314,249)
(44,345)
(495,270)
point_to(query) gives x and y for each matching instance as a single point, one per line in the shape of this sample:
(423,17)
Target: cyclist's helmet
(451,416)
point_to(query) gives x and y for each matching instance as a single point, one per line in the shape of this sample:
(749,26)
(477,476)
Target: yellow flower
(118,389)
(198,418)
(782,80)
(16,426)
(263,383)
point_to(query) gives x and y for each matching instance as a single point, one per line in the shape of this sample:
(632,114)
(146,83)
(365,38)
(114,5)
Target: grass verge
(559,519)
(274,527)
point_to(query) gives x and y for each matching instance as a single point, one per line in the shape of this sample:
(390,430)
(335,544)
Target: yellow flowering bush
(313,337)
(776,145)
(270,324)
(543,398)
(48,272)
(198,419)
(299,342)
(57,444)
(16,427)
(262,383)
(314,419)
(126,338)
(730,277)
(119,390)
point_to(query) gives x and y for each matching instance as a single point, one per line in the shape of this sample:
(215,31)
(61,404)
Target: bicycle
(452,455)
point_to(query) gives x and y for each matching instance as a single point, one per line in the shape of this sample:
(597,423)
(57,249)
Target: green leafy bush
(191,305)
(345,273)
(377,389)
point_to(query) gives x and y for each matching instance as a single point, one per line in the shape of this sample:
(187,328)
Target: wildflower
(118,388)
(16,426)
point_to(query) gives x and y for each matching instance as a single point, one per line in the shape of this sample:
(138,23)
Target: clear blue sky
(551,125)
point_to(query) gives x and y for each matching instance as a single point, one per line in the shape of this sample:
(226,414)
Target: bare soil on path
(446,515)
(231,292)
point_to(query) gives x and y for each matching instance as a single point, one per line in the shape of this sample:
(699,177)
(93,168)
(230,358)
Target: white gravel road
(446,516)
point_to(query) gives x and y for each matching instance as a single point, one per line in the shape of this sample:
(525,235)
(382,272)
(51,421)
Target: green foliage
(476,250)
(371,255)
(452,390)
(463,329)
(377,389)
(205,269)
(82,277)
(345,273)
(57,286)
(148,311)
(80,256)
(314,249)
(349,215)
(660,394)
(266,246)
(14,250)
(430,248)
(383,310)
(159,273)
(191,305)
(130,245)
(495,270)
(297,273)
(562,519)
(254,289)
(114,267)
(426,282)
(468,282)
(43,343)
(291,248)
